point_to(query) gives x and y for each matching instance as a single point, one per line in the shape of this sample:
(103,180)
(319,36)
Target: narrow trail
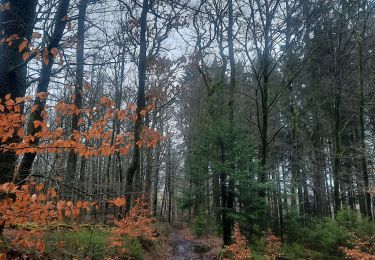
(183,247)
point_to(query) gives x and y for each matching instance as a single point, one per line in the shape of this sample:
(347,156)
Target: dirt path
(188,248)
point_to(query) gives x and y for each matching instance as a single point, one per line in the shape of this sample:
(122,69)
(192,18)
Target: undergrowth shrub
(203,224)
(348,235)
(273,245)
(239,249)
(84,243)
(199,224)
(33,211)
(133,248)
(138,224)
(32,214)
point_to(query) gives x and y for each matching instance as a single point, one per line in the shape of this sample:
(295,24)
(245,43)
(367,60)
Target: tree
(135,163)
(72,159)
(50,52)
(16,26)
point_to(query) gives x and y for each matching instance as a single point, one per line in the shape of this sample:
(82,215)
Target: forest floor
(184,246)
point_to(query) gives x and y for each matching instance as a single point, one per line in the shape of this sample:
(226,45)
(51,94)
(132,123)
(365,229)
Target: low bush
(80,244)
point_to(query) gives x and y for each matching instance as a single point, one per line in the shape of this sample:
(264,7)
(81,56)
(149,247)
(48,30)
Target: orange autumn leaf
(68,212)
(42,197)
(52,193)
(26,56)
(40,246)
(61,58)
(143,112)
(20,132)
(151,106)
(23,45)
(33,198)
(9,188)
(54,51)
(132,107)
(36,35)
(40,187)
(59,178)
(79,204)
(34,108)
(9,103)
(87,86)
(37,55)
(11,38)
(45,56)
(139,144)
(43,95)
(118,202)
(37,123)
(60,204)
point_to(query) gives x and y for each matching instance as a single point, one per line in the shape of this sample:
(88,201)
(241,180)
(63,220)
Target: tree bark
(135,163)
(149,153)
(228,205)
(25,166)
(366,194)
(337,147)
(17,20)
(80,50)
(157,169)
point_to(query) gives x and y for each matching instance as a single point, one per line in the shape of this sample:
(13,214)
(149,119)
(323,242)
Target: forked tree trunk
(24,169)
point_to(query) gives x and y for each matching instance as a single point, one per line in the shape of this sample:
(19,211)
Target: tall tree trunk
(117,123)
(80,49)
(156,182)
(228,205)
(169,182)
(17,20)
(337,148)
(280,205)
(362,141)
(157,168)
(24,169)
(148,175)
(294,153)
(227,231)
(82,173)
(264,114)
(135,163)
(263,86)
(318,176)
(163,201)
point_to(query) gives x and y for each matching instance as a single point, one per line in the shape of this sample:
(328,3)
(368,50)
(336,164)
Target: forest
(187,129)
